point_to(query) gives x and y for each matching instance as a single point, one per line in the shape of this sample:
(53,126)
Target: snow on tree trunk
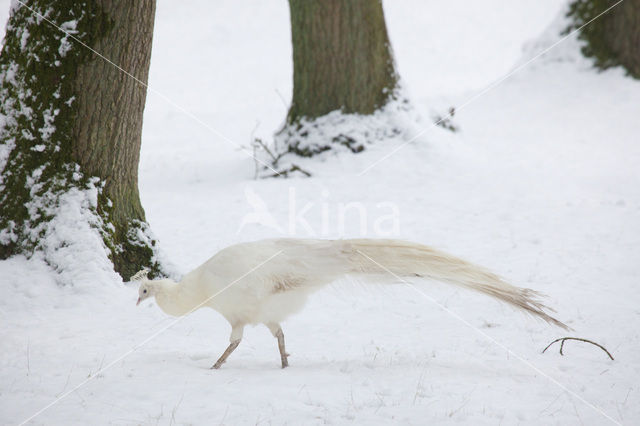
(612,39)
(70,132)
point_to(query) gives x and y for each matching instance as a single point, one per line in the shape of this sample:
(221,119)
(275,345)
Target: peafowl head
(146,289)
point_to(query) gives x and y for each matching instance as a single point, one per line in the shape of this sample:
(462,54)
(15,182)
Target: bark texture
(108,130)
(612,39)
(72,121)
(342,58)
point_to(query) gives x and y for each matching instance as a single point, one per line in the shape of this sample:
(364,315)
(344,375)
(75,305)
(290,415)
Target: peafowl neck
(174,299)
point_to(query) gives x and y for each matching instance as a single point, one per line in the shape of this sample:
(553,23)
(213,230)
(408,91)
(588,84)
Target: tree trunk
(341,58)
(73,121)
(612,39)
(108,130)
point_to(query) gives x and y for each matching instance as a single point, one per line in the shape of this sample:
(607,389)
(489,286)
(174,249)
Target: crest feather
(140,275)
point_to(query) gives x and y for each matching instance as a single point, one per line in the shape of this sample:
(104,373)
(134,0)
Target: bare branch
(274,158)
(293,168)
(564,339)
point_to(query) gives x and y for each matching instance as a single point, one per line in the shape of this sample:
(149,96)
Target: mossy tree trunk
(71,122)
(612,39)
(341,58)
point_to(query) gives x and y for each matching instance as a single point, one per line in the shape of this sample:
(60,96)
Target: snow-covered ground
(541,184)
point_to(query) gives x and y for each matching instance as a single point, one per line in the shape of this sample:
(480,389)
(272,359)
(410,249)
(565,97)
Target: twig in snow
(446,121)
(382,404)
(564,339)
(255,150)
(65,383)
(173,412)
(257,142)
(275,156)
(226,411)
(419,388)
(575,410)
(293,168)
(454,412)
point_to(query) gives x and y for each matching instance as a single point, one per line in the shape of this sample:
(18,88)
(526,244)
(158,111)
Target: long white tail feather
(406,259)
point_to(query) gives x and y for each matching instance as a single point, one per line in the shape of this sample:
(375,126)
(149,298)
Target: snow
(69,242)
(48,127)
(23,39)
(540,184)
(395,122)
(5,150)
(70,26)
(65,46)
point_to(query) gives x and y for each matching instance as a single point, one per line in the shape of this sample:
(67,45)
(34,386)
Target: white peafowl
(264,282)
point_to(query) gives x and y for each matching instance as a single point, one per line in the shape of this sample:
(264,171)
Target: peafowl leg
(226,354)
(276,330)
(236,337)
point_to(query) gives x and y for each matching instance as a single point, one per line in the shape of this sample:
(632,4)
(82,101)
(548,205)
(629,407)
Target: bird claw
(285,361)
(217,365)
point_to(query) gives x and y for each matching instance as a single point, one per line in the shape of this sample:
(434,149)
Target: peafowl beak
(138,302)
